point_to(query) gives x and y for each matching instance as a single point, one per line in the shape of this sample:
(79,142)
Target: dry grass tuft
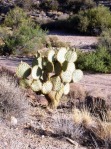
(108,116)
(63,125)
(103,131)
(12,99)
(77,116)
(88,120)
(83,117)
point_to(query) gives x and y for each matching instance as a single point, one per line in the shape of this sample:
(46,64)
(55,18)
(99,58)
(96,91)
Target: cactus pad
(36,60)
(36,85)
(50,55)
(36,72)
(66,89)
(68,66)
(57,67)
(77,75)
(61,55)
(56,81)
(71,56)
(49,67)
(66,76)
(23,70)
(47,87)
(25,83)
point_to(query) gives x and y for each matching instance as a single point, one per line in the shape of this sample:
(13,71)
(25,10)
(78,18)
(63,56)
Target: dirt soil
(81,42)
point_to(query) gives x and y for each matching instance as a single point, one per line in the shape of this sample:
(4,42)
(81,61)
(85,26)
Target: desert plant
(96,61)
(12,99)
(76,5)
(91,21)
(49,4)
(105,39)
(51,73)
(97,128)
(63,124)
(20,34)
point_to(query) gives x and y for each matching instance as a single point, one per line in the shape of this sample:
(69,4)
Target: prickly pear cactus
(23,70)
(51,73)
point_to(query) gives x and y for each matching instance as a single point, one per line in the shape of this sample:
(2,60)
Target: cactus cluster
(51,73)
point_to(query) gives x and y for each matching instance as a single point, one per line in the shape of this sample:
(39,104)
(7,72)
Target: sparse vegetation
(100,130)
(20,34)
(13,101)
(105,39)
(96,61)
(91,21)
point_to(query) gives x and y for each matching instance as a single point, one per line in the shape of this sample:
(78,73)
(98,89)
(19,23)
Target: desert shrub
(76,5)
(100,130)
(96,61)
(63,125)
(49,4)
(105,39)
(23,35)
(16,17)
(67,5)
(13,101)
(91,21)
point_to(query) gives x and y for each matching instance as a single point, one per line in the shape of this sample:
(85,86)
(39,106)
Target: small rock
(13,121)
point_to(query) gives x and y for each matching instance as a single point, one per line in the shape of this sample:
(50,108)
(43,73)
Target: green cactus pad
(66,76)
(61,55)
(57,67)
(64,66)
(68,66)
(71,56)
(36,72)
(50,55)
(36,85)
(71,67)
(56,81)
(46,87)
(37,61)
(23,70)
(77,75)
(25,83)
(66,88)
(49,67)
(34,62)
(38,54)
